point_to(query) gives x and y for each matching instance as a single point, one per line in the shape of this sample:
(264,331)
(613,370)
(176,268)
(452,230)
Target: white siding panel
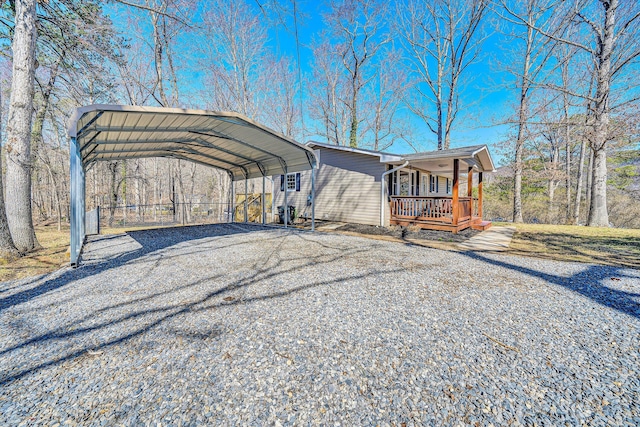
(347,188)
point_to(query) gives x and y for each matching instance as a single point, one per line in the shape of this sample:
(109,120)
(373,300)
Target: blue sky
(490,104)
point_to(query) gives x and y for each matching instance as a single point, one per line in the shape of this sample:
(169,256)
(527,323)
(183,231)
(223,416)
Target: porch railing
(439,209)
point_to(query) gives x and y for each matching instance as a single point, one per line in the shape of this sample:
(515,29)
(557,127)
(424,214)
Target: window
(293,182)
(448,186)
(433,184)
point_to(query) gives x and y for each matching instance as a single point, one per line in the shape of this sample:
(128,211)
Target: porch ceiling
(442,167)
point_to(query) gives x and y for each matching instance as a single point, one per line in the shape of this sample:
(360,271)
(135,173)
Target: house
(432,190)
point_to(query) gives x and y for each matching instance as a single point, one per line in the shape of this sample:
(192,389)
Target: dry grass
(609,246)
(51,257)
(618,247)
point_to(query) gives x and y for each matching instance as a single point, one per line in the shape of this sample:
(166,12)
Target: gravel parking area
(244,325)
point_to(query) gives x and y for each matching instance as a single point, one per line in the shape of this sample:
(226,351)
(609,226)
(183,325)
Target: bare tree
(328,104)
(358,25)
(385,123)
(443,40)
(609,36)
(18,144)
(235,54)
(535,54)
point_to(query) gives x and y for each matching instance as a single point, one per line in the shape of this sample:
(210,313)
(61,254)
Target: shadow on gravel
(268,267)
(149,240)
(591,283)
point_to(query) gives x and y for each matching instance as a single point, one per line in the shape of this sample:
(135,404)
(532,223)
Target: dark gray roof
(477,154)
(351,149)
(437,154)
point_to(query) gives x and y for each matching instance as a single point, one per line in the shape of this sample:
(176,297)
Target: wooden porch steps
(481,225)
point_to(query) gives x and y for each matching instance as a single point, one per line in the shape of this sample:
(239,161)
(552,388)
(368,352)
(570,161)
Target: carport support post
(246,201)
(286,206)
(233,201)
(273,200)
(77,202)
(264,210)
(313,197)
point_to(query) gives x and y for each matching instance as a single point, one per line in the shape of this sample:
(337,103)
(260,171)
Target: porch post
(480,194)
(456,182)
(470,183)
(313,196)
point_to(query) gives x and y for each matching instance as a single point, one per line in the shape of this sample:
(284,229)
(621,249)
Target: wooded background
(381,75)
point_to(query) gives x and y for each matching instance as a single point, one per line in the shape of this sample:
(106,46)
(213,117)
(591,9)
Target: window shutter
(417,183)
(281,182)
(298,181)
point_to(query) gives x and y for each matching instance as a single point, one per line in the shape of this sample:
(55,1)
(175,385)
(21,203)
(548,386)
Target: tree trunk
(589,182)
(579,179)
(353,135)
(137,190)
(553,183)
(18,145)
(598,213)
(8,250)
(567,142)
(522,120)
(551,211)
(113,191)
(517,176)
(157,52)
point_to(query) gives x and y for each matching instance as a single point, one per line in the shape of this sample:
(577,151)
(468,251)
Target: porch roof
(438,161)
(441,161)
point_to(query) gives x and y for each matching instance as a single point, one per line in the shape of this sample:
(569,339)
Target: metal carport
(224,140)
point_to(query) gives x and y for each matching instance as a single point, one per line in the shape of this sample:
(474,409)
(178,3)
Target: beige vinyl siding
(347,188)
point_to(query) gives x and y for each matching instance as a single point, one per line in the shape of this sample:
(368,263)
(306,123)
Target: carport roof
(224,140)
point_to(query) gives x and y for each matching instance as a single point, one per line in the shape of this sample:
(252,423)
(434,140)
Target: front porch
(437,213)
(450,212)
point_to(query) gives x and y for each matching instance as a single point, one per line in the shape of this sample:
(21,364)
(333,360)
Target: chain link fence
(170,214)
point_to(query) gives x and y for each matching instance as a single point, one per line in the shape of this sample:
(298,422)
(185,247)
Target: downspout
(382,184)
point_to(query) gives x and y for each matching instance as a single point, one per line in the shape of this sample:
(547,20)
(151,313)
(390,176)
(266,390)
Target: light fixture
(442,165)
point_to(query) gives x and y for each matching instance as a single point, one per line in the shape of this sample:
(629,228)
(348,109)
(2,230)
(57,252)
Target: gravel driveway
(243,325)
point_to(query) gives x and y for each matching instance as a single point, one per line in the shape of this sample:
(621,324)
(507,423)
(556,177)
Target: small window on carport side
(293,182)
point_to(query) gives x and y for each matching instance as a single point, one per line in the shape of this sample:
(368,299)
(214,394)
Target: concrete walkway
(495,239)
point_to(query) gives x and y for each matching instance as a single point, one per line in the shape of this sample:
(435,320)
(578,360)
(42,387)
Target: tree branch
(154,10)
